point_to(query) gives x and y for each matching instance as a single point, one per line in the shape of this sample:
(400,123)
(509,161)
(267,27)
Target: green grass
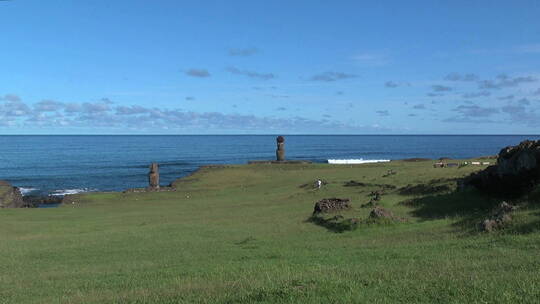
(242,234)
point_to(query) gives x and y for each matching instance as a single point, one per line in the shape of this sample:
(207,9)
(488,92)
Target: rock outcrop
(331,204)
(10,197)
(516,172)
(34,201)
(381,213)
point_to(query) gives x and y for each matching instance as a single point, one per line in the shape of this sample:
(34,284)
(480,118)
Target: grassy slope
(6,194)
(240,234)
(4,188)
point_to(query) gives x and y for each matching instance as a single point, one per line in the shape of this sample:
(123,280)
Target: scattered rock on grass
(375,198)
(389,173)
(381,213)
(34,201)
(148,189)
(376,195)
(314,184)
(71,199)
(500,217)
(331,204)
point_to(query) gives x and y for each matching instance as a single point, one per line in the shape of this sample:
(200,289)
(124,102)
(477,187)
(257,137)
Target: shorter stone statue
(153,176)
(280,152)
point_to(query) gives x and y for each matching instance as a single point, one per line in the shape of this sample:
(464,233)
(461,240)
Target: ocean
(59,165)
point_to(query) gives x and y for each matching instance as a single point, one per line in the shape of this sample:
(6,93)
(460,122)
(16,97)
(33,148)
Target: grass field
(242,234)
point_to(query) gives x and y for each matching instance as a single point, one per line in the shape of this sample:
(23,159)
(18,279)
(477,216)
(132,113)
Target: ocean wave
(356,161)
(63,192)
(25,191)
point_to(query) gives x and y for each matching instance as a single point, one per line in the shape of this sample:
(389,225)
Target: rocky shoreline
(12,197)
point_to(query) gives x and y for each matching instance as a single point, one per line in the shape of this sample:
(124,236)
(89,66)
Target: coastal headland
(401,231)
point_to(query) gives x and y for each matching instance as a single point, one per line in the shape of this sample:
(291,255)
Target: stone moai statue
(153,176)
(280,152)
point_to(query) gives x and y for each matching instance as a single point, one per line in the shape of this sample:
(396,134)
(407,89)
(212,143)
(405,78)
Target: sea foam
(356,161)
(70,191)
(25,191)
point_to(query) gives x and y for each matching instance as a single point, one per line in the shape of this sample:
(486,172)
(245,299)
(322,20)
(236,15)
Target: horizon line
(270,134)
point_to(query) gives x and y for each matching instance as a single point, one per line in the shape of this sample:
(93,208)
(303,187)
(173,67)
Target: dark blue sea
(70,164)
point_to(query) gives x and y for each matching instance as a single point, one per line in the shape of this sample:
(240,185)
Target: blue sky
(266,67)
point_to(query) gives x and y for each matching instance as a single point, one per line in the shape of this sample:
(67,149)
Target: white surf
(356,161)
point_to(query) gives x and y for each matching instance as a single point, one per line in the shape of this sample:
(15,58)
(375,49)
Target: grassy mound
(244,234)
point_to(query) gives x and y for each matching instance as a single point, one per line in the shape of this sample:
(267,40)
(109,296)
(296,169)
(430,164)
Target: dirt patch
(331,204)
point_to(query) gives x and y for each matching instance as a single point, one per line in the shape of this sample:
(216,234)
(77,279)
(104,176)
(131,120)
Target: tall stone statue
(280,152)
(153,176)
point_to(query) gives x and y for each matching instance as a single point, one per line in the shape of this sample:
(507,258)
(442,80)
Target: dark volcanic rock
(331,204)
(380,212)
(10,197)
(517,171)
(35,201)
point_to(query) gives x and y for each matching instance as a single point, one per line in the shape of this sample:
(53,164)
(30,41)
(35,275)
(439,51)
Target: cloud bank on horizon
(139,67)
